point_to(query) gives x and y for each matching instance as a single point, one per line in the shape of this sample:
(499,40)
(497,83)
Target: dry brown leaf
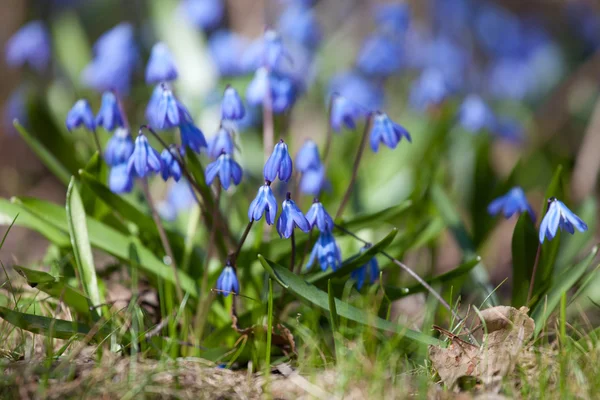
(506,332)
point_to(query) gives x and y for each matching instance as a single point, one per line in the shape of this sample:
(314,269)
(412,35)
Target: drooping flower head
(110,116)
(318,216)
(144,160)
(119,148)
(511,203)
(120,179)
(228,281)
(559,216)
(299,23)
(279,164)
(170,166)
(204,14)
(258,87)
(81,114)
(308,156)
(221,142)
(370,269)
(326,251)
(290,217)
(30,45)
(161,66)
(386,131)
(284,92)
(344,112)
(191,136)
(264,203)
(267,51)
(475,115)
(429,89)
(313,181)
(227,170)
(232,107)
(180,197)
(167,110)
(359,90)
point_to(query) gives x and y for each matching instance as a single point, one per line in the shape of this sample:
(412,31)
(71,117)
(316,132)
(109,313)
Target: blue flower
(227,169)
(386,131)
(264,202)
(170,166)
(308,156)
(232,107)
(120,179)
(392,18)
(110,116)
(359,274)
(181,196)
(191,135)
(228,281)
(509,130)
(314,181)
(161,67)
(318,216)
(30,45)
(284,92)
(258,87)
(290,217)
(267,52)
(512,202)
(299,23)
(358,90)
(474,115)
(429,89)
(15,109)
(167,110)
(558,215)
(204,14)
(326,251)
(144,160)
(279,163)
(380,56)
(225,48)
(119,148)
(343,112)
(81,114)
(222,142)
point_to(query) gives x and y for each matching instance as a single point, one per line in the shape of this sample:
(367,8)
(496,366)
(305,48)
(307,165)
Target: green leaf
(367,220)
(97,168)
(333,315)
(562,284)
(524,248)
(305,290)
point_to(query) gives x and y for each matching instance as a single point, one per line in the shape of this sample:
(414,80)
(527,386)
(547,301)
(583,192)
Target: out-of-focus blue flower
(452,17)
(152,107)
(15,109)
(30,45)
(110,116)
(144,160)
(343,112)
(475,115)
(170,166)
(167,110)
(232,107)
(191,135)
(318,216)
(509,130)
(161,66)
(326,251)
(308,156)
(509,78)
(559,216)
(357,89)
(380,56)
(429,89)
(225,48)
(298,67)
(267,52)
(228,281)
(498,30)
(511,203)
(284,93)
(204,14)
(314,181)
(227,170)
(371,268)
(119,148)
(222,142)
(264,202)
(258,87)
(386,131)
(392,18)
(181,196)
(586,22)
(450,60)
(299,23)
(119,179)
(278,164)
(290,217)
(81,114)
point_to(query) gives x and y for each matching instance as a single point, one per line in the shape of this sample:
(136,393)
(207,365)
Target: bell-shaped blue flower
(30,45)
(559,216)
(429,89)
(475,115)
(308,156)
(110,116)
(222,142)
(258,87)
(264,203)
(279,163)
(284,92)
(326,251)
(299,23)
(267,51)
(511,203)
(386,131)
(167,110)
(228,281)
(120,179)
(370,269)
(392,18)
(180,197)
(227,170)
(170,166)
(191,135)
(15,108)
(119,148)
(161,67)
(232,107)
(344,112)
(380,56)
(81,114)
(318,216)
(313,181)
(204,14)
(290,217)
(144,160)
(359,90)
(225,48)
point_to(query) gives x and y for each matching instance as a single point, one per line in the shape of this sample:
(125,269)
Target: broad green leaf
(565,281)
(82,249)
(96,168)
(367,220)
(524,248)
(305,290)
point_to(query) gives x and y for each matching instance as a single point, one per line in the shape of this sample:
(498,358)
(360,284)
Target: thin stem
(163,238)
(97,142)
(329,138)
(357,159)
(304,252)
(533,273)
(242,240)
(293,256)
